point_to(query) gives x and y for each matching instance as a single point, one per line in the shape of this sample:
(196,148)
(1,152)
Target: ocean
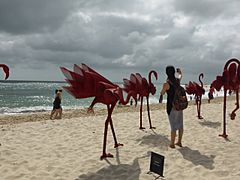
(25,97)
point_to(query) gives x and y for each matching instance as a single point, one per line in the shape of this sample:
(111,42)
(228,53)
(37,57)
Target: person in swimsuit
(175,117)
(57,109)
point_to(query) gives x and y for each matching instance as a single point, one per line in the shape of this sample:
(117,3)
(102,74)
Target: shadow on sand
(197,158)
(155,140)
(118,172)
(210,124)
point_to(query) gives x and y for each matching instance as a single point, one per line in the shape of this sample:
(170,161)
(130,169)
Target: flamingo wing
(145,87)
(190,88)
(217,83)
(98,77)
(128,85)
(134,80)
(85,82)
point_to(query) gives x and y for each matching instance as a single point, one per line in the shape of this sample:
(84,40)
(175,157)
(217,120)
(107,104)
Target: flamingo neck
(200,76)
(121,99)
(150,76)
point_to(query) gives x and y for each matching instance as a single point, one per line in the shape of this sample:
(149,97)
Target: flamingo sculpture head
(5,70)
(152,88)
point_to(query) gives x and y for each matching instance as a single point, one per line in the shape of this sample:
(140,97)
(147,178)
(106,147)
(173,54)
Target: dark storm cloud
(29,16)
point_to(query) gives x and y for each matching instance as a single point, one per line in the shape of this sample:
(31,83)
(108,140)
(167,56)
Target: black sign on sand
(157,163)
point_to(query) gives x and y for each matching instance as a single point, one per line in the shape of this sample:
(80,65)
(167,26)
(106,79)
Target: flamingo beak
(156,75)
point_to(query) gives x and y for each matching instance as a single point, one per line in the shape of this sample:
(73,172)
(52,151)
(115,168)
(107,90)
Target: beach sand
(34,147)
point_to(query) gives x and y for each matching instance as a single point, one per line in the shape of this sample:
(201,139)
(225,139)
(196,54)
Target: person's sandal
(171,146)
(179,144)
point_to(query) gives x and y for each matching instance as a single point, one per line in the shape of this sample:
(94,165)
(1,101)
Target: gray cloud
(118,37)
(207,9)
(29,16)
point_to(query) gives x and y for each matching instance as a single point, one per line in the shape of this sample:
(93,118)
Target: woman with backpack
(175,115)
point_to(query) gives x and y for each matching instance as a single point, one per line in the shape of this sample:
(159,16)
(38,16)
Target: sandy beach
(34,147)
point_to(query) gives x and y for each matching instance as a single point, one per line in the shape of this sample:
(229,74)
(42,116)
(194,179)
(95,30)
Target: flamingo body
(142,88)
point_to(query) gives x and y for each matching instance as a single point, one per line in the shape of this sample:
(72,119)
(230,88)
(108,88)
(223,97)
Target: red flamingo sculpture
(5,70)
(210,94)
(84,83)
(230,81)
(194,88)
(143,88)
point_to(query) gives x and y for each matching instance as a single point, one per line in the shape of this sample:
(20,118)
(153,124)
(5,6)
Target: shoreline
(98,111)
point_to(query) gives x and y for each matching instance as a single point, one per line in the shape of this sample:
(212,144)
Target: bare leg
(60,113)
(180,134)
(52,113)
(57,114)
(173,136)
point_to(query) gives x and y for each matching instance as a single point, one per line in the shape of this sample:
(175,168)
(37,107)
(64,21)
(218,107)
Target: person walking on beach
(175,117)
(57,109)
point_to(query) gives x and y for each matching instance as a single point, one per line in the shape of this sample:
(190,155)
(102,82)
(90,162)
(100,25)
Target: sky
(118,37)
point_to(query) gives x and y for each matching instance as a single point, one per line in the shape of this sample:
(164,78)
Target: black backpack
(180,101)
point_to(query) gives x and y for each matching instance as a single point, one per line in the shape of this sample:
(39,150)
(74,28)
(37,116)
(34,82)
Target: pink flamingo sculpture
(230,81)
(194,88)
(143,88)
(84,83)
(5,70)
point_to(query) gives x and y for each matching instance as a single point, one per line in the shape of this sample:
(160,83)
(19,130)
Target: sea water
(22,97)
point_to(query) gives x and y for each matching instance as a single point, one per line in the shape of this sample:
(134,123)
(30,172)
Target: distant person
(119,104)
(175,117)
(131,102)
(230,92)
(57,109)
(210,94)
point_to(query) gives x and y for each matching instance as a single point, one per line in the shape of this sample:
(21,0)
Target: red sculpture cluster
(85,82)
(5,70)
(230,81)
(142,88)
(194,88)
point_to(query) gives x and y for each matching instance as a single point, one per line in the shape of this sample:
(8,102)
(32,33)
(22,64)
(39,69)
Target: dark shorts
(57,107)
